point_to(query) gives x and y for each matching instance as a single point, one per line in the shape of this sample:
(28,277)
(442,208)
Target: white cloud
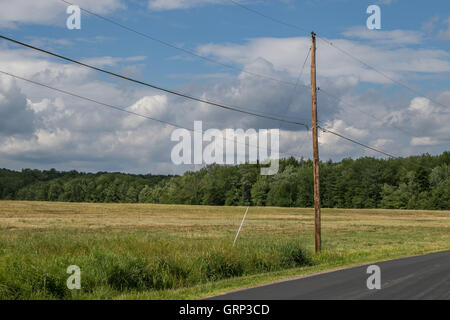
(386,2)
(73,133)
(382,144)
(429,25)
(421,105)
(391,37)
(48,11)
(330,141)
(111,61)
(179,4)
(68,133)
(444,34)
(285,54)
(150,106)
(426,121)
(437,27)
(423,141)
(16,117)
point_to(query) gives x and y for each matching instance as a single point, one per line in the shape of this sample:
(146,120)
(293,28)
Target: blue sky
(44,129)
(224,22)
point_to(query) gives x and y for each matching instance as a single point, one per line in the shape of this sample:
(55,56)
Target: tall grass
(33,265)
(160,251)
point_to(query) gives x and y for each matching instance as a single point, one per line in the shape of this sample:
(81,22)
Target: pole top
(313,34)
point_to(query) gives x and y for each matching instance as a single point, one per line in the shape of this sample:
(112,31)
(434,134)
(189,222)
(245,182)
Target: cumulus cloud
(16,116)
(150,106)
(391,37)
(424,141)
(283,53)
(426,121)
(68,133)
(334,142)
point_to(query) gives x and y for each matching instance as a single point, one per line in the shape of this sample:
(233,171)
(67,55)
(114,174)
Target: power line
(300,74)
(187,51)
(369,147)
(183,95)
(290,25)
(340,100)
(294,91)
(298,81)
(268,17)
(382,73)
(190,52)
(210,60)
(92,100)
(357,142)
(125,110)
(186,128)
(243,70)
(348,54)
(382,121)
(229,66)
(303,69)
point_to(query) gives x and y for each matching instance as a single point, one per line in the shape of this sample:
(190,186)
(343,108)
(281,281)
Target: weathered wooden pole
(316,162)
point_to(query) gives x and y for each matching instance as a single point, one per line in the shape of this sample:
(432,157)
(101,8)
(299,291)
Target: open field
(150,251)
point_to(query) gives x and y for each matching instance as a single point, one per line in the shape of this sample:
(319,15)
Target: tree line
(419,182)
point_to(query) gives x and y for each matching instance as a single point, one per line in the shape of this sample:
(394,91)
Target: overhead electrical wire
(295,89)
(246,71)
(91,100)
(125,110)
(187,51)
(173,92)
(186,128)
(321,128)
(301,71)
(218,62)
(190,52)
(357,142)
(370,148)
(268,17)
(223,64)
(383,74)
(352,106)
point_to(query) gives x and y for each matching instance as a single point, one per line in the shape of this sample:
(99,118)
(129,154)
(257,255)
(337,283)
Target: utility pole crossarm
(316,160)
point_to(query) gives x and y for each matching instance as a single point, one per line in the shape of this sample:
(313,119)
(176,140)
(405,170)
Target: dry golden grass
(23,215)
(342,228)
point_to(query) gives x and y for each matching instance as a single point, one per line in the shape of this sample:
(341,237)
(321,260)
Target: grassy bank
(175,252)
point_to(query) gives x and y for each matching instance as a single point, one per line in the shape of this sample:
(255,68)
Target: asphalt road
(420,277)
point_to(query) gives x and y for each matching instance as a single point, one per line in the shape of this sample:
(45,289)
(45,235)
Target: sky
(402,108)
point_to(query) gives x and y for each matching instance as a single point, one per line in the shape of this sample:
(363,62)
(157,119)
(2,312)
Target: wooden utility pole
(315,146)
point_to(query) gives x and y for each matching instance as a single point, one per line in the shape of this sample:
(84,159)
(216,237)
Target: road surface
(419,277)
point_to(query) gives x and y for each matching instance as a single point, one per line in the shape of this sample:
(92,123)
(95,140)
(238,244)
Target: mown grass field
(145,251)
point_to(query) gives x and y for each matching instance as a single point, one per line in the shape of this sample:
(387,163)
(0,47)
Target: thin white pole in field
(237,234)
